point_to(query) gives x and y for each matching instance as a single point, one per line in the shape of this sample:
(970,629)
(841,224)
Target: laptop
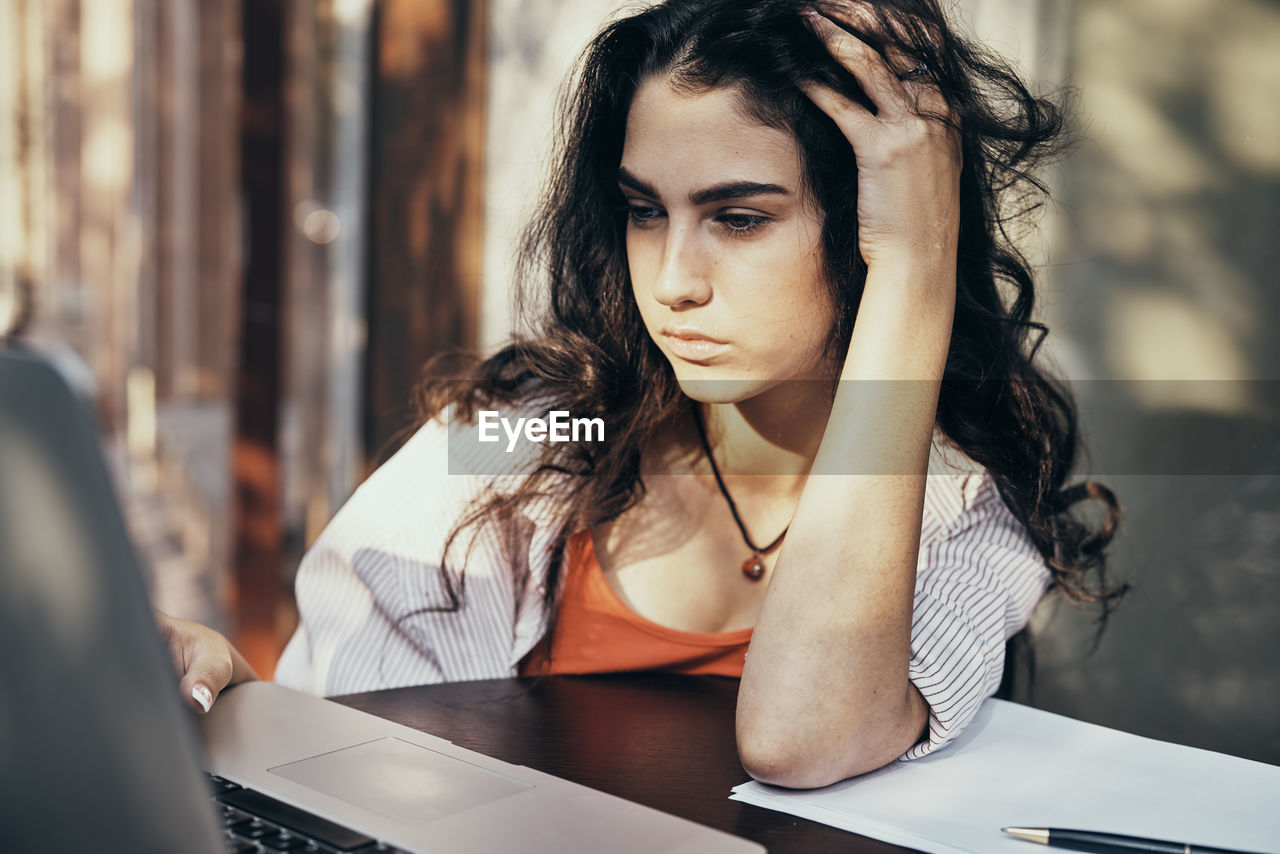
(97,753)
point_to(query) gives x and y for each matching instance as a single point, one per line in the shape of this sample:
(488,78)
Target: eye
(741,223)
(641,215)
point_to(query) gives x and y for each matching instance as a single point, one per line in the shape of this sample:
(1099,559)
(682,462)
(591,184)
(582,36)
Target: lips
(692,345)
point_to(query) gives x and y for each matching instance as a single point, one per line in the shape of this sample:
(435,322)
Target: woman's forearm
(825,693)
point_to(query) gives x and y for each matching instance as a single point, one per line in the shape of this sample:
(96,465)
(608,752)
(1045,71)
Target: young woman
(772,261)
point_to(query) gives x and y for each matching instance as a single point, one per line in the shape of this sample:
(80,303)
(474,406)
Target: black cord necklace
(752,567)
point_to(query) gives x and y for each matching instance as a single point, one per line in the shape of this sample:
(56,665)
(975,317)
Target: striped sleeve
(977,581)
(375,609)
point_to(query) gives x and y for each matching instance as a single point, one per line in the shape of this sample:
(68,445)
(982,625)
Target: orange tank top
(596,632)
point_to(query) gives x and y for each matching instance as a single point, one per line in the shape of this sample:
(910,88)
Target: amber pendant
(753,567)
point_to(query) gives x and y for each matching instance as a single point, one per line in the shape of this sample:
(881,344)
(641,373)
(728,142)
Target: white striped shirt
(374,609)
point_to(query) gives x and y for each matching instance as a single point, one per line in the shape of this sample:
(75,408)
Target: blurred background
(255,220)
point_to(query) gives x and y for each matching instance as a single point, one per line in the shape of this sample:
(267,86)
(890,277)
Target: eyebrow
(717,193)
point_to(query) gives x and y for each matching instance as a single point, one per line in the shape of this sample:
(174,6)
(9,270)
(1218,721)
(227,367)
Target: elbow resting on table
(788,757)
(800,766)
(794,771)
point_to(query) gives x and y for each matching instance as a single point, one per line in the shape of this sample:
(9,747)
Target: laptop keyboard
(254,822)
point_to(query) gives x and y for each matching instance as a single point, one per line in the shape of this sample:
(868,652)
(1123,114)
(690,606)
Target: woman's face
(724,246)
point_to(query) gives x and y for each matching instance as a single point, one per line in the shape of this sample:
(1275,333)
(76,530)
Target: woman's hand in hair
(907,151)
(205,660)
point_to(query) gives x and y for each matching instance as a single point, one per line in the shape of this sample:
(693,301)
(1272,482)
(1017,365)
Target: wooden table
(662,740)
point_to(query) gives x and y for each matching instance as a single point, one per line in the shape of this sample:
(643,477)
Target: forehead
(678,140)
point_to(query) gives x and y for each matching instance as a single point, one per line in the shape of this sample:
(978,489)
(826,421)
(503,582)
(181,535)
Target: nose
(683,279)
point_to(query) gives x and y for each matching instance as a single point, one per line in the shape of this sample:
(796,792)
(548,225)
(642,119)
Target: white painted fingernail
(202,696)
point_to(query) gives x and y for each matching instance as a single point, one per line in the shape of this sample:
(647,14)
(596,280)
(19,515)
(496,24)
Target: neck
(773,436)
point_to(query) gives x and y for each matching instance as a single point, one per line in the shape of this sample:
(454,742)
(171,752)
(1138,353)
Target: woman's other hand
(205,660)
(908,151)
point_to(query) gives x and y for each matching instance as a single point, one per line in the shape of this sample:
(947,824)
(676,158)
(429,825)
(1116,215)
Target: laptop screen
(96,751)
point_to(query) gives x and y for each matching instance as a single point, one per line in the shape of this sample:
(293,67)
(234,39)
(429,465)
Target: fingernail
(203,696)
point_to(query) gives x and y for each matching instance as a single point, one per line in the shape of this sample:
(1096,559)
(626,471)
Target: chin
(711,389)
(707,384)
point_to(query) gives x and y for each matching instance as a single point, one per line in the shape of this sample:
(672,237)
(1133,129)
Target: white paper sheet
(1015,766)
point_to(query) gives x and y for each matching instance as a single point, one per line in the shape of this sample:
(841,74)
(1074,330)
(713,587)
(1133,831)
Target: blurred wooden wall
(427,199)
(119,163)
(378,266)
(257,561)
(255,220)
(122,185)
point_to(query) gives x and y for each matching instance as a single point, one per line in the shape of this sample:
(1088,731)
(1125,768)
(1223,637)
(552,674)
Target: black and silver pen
(1109,843)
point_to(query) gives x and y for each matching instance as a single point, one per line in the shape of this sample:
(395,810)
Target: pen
(1109,843)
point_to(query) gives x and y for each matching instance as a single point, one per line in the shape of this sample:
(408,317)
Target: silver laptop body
(98,754)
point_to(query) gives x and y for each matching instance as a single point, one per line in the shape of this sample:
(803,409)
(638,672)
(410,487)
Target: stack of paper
(1015,766)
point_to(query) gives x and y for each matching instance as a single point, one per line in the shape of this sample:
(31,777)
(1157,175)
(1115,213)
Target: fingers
(929,101)
(851,118)
(878,81)
(202,658)
(890,31)
(890,27)
(899,84)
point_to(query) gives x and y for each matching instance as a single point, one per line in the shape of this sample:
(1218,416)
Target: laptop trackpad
(400,781)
